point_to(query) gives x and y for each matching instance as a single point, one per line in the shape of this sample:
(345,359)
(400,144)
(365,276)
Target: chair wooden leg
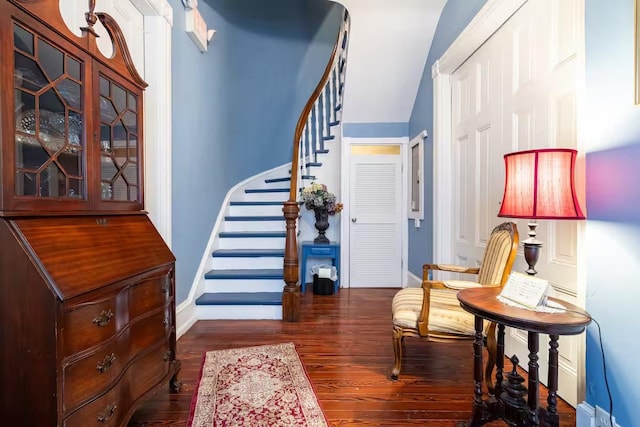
(397,351)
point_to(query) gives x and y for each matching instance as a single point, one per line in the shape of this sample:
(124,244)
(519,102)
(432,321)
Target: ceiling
(388,49)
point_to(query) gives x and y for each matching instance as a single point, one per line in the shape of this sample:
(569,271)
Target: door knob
(354,219)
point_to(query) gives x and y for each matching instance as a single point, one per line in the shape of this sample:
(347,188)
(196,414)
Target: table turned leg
(478,362)
(500,360)
(552,401)
(533,395)
(479,414)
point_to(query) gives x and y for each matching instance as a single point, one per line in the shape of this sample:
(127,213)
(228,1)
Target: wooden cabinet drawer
(107,411)
(150,330)
(92,323)
(149,294)
(89,376)
(146,372)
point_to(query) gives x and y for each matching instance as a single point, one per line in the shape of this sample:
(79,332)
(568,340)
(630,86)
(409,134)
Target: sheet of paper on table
(526,290)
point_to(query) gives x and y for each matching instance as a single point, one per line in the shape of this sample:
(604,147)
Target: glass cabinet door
(49,114)
(119,138)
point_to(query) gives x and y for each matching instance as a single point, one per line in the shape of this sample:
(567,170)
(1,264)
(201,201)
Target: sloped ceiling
(389,44)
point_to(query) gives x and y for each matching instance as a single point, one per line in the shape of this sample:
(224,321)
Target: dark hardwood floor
(344,342)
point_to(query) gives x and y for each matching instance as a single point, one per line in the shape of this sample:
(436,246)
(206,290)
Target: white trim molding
(155,8)
(416,212)
(158,20)
(491,17)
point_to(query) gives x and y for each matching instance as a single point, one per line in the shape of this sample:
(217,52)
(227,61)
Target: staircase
(245,278)
(245,273)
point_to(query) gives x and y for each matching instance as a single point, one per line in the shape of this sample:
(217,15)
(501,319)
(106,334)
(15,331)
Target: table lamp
(539,185)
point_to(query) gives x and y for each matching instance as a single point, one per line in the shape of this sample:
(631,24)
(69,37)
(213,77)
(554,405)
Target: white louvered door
(375,216)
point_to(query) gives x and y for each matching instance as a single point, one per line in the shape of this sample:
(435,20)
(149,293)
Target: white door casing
(376,215)
(538,53)
(146,25)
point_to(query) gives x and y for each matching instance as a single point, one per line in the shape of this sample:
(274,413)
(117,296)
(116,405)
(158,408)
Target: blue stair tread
(266,190)
(335,123)
(253,218)
(329,137)
(308,177)
(241,234)
(249,274)
(240,298)
(324,151)
(243,203)
(248,253)
(314,164)
(283,179)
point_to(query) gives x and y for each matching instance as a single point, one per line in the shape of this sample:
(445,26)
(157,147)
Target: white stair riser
(238,312)
(249,285)
(231,263)
(254,225)
(251,242)
(266,210)
(264,197)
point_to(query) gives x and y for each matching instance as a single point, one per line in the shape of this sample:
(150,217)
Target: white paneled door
(375,223)
(517,92)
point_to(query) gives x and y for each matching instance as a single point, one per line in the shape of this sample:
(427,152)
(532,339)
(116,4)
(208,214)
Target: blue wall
(612,130)
(236,105)
(454,18)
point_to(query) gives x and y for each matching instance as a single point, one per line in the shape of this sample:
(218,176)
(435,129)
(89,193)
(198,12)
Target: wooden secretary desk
(87,325)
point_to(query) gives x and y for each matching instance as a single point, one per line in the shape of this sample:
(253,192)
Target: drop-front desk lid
(79,254)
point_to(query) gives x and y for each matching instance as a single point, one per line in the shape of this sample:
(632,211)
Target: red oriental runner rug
(263,386)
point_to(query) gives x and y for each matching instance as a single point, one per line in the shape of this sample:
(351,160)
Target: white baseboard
(585,415)
(413,281)
(185,317)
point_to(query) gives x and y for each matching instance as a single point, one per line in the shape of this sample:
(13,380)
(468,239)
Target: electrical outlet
(603,419)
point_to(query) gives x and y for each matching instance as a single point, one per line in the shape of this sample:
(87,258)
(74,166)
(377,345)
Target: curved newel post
(291,293)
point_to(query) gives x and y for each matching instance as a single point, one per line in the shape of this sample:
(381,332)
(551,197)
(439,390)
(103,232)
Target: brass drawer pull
(166,284)
(105,365)
(104,318)
(167,356)
(165,321)
(108,413)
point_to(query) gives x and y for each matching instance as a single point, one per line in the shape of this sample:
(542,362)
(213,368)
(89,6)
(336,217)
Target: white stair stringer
(187,313)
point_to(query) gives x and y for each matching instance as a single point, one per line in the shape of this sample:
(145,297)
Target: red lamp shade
(540,185)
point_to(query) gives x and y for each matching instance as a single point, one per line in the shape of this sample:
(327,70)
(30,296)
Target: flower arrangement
(316,195)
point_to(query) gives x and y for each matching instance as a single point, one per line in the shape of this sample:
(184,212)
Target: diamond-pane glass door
(48,92)
(118,142)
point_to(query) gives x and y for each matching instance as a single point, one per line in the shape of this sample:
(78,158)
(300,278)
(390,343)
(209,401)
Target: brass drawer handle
(166,284)
(165,321)
(105,365)
(167,356)
(108,413)
(104,318)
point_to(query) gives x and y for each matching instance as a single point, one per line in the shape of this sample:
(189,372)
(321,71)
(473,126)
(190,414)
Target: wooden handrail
(291,210)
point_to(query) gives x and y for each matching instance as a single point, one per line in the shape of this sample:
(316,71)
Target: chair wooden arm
(433,284)
(451,268)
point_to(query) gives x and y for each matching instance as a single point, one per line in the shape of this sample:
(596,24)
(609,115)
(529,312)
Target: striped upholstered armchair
(433,311)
